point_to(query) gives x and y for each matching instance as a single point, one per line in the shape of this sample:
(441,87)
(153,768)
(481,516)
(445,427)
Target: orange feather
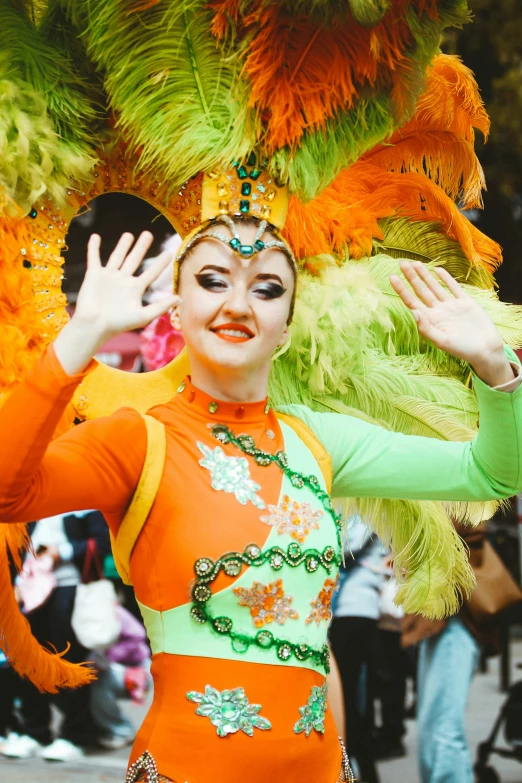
(302,74)
(347,213)
(438,140)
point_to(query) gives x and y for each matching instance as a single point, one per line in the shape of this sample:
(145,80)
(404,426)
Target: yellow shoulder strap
(314,444)
(142,500)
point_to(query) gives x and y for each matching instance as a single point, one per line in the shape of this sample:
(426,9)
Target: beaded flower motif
(312,714)
(229,711)
(295,519)
(230,474)
(321,606)
(267,603)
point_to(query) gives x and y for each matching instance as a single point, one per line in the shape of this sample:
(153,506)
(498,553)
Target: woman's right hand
(110,300)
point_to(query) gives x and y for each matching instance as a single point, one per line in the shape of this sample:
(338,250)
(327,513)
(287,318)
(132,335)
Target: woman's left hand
(453,321)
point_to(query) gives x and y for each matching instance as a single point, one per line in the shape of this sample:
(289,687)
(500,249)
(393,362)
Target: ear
(175,320)
(284,336)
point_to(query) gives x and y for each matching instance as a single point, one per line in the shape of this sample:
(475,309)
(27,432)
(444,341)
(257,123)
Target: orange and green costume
(236,565)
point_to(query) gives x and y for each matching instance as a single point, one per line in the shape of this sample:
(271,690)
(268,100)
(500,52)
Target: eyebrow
(225,271)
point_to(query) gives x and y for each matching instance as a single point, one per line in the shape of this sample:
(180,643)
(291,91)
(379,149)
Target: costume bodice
(234,572)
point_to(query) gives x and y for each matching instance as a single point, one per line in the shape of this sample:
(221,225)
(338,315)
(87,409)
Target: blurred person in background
(123,673)
(353,637)
(60,544)
(449,652)
(391,669)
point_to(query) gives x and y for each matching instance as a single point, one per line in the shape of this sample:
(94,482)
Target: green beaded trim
(247,445)
(231,564)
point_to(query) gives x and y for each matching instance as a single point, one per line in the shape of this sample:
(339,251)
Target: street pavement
(485,702)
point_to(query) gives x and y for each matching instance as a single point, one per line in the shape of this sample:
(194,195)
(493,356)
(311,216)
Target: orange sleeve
(95,465)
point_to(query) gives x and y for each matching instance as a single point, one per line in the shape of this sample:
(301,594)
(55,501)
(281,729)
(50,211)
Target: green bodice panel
(311,563)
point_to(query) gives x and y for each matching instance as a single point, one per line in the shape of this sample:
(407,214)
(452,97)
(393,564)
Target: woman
(239,653)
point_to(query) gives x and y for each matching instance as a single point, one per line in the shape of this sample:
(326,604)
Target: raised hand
(110,300)
(111,295)
(453,321)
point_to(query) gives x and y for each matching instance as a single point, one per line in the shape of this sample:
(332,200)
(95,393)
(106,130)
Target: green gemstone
(259,244)
(235,243)
(246,189)
(246,250)
(251,159)
(244,205)
(235,164)
(33,213)
(27,264)
(255,174)
(242,173)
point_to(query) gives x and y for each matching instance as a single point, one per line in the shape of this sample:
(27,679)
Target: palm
(111,295)
(448,317)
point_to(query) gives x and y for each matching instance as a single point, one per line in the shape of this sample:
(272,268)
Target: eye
(212,282)
(268,290)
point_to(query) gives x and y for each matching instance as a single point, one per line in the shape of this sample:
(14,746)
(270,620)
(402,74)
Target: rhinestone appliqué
(312,714)
(145,763)
(230,474)
(267,603)
(322,604)
(229,711)
(293,518)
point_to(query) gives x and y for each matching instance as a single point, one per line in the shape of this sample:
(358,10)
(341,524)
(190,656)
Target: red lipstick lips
(233,333)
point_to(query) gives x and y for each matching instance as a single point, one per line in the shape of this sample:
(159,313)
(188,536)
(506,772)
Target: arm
(98,463)
(369,461)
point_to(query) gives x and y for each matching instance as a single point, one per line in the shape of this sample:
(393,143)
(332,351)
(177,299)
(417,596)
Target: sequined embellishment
(230,474)
(312,714)
(322,605)
(267,603)
(145,763)
(295,519)
(229,711)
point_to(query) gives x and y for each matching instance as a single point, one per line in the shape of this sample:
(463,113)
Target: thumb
(160,307)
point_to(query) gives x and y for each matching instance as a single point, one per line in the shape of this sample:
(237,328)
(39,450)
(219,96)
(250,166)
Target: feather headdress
(348,107)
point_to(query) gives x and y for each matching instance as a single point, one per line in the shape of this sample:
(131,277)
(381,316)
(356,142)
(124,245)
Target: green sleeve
(369,461)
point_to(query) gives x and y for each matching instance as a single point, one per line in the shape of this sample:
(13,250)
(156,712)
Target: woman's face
(233,311)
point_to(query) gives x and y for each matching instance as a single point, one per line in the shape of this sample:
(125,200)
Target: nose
(237,304)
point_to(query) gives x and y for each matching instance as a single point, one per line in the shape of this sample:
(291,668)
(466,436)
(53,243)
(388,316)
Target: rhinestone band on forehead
(234,242)
(246,251)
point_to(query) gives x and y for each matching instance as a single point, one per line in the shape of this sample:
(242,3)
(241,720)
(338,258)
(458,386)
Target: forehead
(214,252)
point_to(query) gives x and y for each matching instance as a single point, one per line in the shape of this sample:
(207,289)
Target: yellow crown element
(244,190)
(240,190)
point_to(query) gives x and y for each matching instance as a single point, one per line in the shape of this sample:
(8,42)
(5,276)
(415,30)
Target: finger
(432,282)
(118,255)
(137,254)
(406,294)
(93,252)
(451,283)
(160,307)
(409,270)
(154,271)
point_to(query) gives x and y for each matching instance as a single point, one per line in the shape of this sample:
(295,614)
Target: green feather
(177,97)
(424,241)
